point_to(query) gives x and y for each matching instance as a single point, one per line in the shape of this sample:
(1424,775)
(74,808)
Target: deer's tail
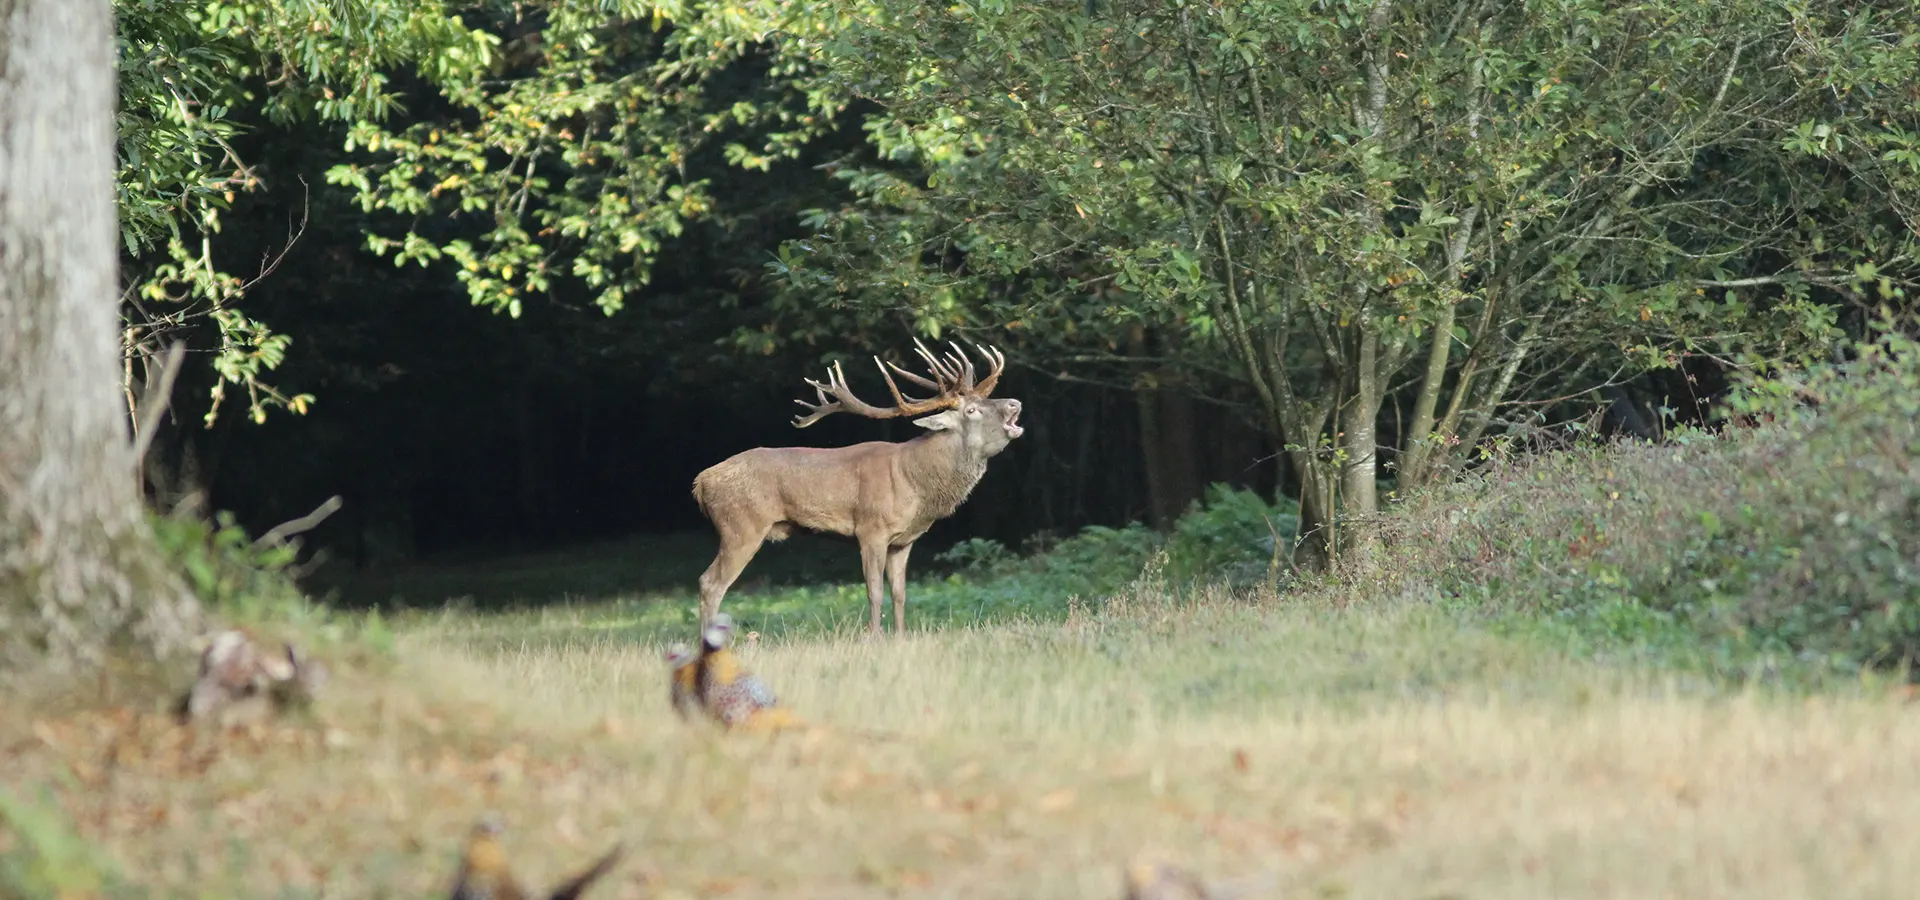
(700,489)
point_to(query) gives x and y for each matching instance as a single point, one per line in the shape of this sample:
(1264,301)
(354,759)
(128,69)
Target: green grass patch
(643,589)
(43,854)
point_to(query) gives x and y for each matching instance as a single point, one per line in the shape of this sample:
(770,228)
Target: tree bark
(78,566)
(1360,500)
(1146,398)
(1362,469)
(1179,447)
(1416,447)
(1167,448)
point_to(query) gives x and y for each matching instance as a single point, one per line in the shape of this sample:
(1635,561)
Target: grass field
(1302,747)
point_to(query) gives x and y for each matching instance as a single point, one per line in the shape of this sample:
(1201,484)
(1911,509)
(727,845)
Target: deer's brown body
(883,495)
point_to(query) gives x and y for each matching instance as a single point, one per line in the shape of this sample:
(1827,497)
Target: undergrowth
(1780,546)
(1232,536)
(248,582)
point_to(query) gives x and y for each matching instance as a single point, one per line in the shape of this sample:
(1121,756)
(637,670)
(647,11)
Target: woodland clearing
(1382,749)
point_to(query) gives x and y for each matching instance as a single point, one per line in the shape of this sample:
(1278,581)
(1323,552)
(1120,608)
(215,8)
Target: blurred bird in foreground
(239,682)
(686,683)
(1163,881)
(730,693)
(484,874)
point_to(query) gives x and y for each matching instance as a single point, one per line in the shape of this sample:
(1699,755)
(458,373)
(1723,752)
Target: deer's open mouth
(1013,428)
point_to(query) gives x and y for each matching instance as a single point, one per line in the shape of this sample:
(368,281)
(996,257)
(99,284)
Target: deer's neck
(943,472)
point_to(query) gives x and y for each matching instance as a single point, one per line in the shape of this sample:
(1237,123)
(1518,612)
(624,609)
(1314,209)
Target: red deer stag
(884,495)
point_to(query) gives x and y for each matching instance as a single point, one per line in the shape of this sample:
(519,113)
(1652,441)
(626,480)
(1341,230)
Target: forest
(1463,448)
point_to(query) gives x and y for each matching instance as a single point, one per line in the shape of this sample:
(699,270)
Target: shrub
(226,569)
(1234,536)
(1228,536)
(1788,537)
(243,582)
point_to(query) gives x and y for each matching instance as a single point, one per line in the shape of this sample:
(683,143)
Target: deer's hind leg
(737,547)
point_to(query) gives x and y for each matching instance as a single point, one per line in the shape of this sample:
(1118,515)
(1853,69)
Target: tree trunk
(1146,398)
(1313,551)
(78,566)
(1416,447)
(1179,448)
(1359,495)
(1359,500)
(1167,449)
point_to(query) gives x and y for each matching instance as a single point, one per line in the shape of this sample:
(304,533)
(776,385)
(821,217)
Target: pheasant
(1162,881)
(484,874)
(730,693)
(686,680)
(240,683)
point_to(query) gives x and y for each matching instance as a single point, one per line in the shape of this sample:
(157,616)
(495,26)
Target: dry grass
(1372,752)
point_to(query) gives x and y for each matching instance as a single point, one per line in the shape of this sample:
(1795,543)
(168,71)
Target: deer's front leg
(897,581)
(873,561)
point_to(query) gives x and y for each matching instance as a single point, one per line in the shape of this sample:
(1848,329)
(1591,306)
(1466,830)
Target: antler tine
(933,365)
(825,407)
(965,366)
(920,380)
(997,363)
(909,406)
(948,375)
(843,399)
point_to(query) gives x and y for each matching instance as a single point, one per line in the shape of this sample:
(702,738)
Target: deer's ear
(947,420)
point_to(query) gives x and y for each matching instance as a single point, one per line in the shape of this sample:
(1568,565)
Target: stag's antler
(844,399)
(997,361)
(956,371)
(953,378)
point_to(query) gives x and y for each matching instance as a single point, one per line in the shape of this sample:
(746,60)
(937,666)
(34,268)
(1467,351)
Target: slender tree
(78,567)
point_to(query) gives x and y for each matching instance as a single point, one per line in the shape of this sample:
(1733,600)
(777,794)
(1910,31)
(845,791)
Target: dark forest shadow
(646,566)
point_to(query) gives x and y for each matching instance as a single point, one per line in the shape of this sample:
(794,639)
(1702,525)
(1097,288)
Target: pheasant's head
(489,826)
(483,852)
(718,631)
(679,655)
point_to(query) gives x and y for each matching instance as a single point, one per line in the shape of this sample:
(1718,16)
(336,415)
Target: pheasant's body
(730,693)
(773,719)
(240,682)
(484,874)
(483,868)
(686,680)
(1160,881)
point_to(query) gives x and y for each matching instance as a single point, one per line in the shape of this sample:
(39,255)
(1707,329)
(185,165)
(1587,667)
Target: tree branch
(278,534)
(154,404)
